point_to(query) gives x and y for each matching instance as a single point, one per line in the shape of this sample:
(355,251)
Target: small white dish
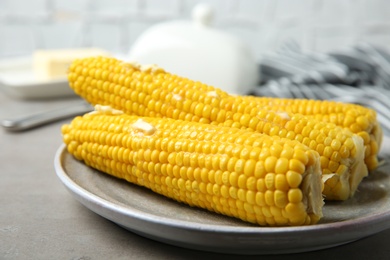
(18,80)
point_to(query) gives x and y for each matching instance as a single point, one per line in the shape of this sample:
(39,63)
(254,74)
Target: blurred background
(317,49)
(317,25)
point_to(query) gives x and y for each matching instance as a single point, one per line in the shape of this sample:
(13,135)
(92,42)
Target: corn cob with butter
(358,119)
(260,179)
(150,91)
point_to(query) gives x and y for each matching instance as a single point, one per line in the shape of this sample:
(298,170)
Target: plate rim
(382,220)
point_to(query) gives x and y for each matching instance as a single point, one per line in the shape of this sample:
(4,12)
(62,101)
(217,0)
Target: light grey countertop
(39,219)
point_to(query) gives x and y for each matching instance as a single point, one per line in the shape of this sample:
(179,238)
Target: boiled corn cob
(358,119)
(150,91)
(253,177)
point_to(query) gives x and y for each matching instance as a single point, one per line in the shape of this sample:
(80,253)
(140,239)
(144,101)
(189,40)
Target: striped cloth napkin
(360,74)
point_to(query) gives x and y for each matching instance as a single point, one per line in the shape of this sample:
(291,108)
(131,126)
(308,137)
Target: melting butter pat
(177,97)
(144,127)
(284,115)
(213,94)
(52,64)
(106,110)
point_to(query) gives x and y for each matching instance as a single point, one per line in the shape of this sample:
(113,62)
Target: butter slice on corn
(150,91)
(257,178)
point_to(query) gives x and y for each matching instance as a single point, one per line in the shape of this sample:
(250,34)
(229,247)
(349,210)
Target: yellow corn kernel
(294,179)
(165,156)
(295,195)
(155,93)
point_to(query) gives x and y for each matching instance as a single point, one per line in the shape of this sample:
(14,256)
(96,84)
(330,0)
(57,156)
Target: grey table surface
(39,219)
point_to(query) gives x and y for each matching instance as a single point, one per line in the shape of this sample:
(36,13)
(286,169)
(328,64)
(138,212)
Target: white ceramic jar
(197,51)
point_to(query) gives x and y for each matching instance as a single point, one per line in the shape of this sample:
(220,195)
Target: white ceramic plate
(143,212)
(17,79)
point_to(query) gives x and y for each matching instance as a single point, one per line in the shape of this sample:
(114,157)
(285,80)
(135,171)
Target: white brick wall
(318,25)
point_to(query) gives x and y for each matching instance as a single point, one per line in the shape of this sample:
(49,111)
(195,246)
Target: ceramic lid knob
(202,14)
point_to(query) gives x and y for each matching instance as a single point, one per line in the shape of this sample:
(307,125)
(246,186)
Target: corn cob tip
(359,170)
(347,178)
